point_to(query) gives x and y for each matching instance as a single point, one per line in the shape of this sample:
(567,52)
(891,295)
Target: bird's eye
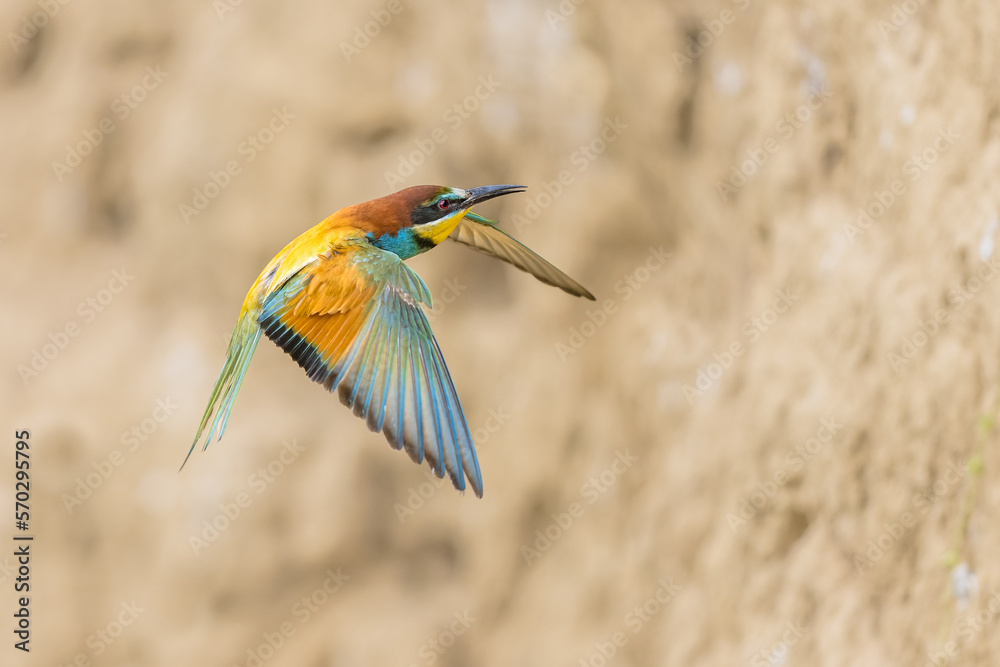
(444,204)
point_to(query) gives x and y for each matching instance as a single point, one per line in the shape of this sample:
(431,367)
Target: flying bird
(340,300)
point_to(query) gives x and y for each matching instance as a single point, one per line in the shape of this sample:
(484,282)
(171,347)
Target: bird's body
(341,302)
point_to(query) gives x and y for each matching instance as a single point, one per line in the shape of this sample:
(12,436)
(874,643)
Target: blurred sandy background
(799,401)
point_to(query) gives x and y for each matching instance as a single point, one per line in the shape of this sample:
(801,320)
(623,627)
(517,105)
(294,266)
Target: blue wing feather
(391,373)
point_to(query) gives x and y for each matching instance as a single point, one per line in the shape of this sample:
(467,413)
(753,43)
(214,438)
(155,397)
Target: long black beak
(479,195)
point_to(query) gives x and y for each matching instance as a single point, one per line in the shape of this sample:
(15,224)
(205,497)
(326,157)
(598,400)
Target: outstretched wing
(352,320)
(242,344)
(483,235)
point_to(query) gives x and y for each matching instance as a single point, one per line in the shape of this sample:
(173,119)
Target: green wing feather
(241,348)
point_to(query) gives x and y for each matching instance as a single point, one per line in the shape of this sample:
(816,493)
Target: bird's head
(423,207)
(430,204)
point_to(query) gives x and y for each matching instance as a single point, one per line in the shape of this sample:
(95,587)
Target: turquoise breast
(404,243)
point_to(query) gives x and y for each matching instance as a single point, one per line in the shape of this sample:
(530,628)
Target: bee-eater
(341,302)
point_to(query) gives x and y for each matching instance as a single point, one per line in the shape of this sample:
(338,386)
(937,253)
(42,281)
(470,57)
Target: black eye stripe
(431,210)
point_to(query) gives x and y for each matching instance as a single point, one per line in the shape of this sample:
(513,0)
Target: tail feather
(220,403)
